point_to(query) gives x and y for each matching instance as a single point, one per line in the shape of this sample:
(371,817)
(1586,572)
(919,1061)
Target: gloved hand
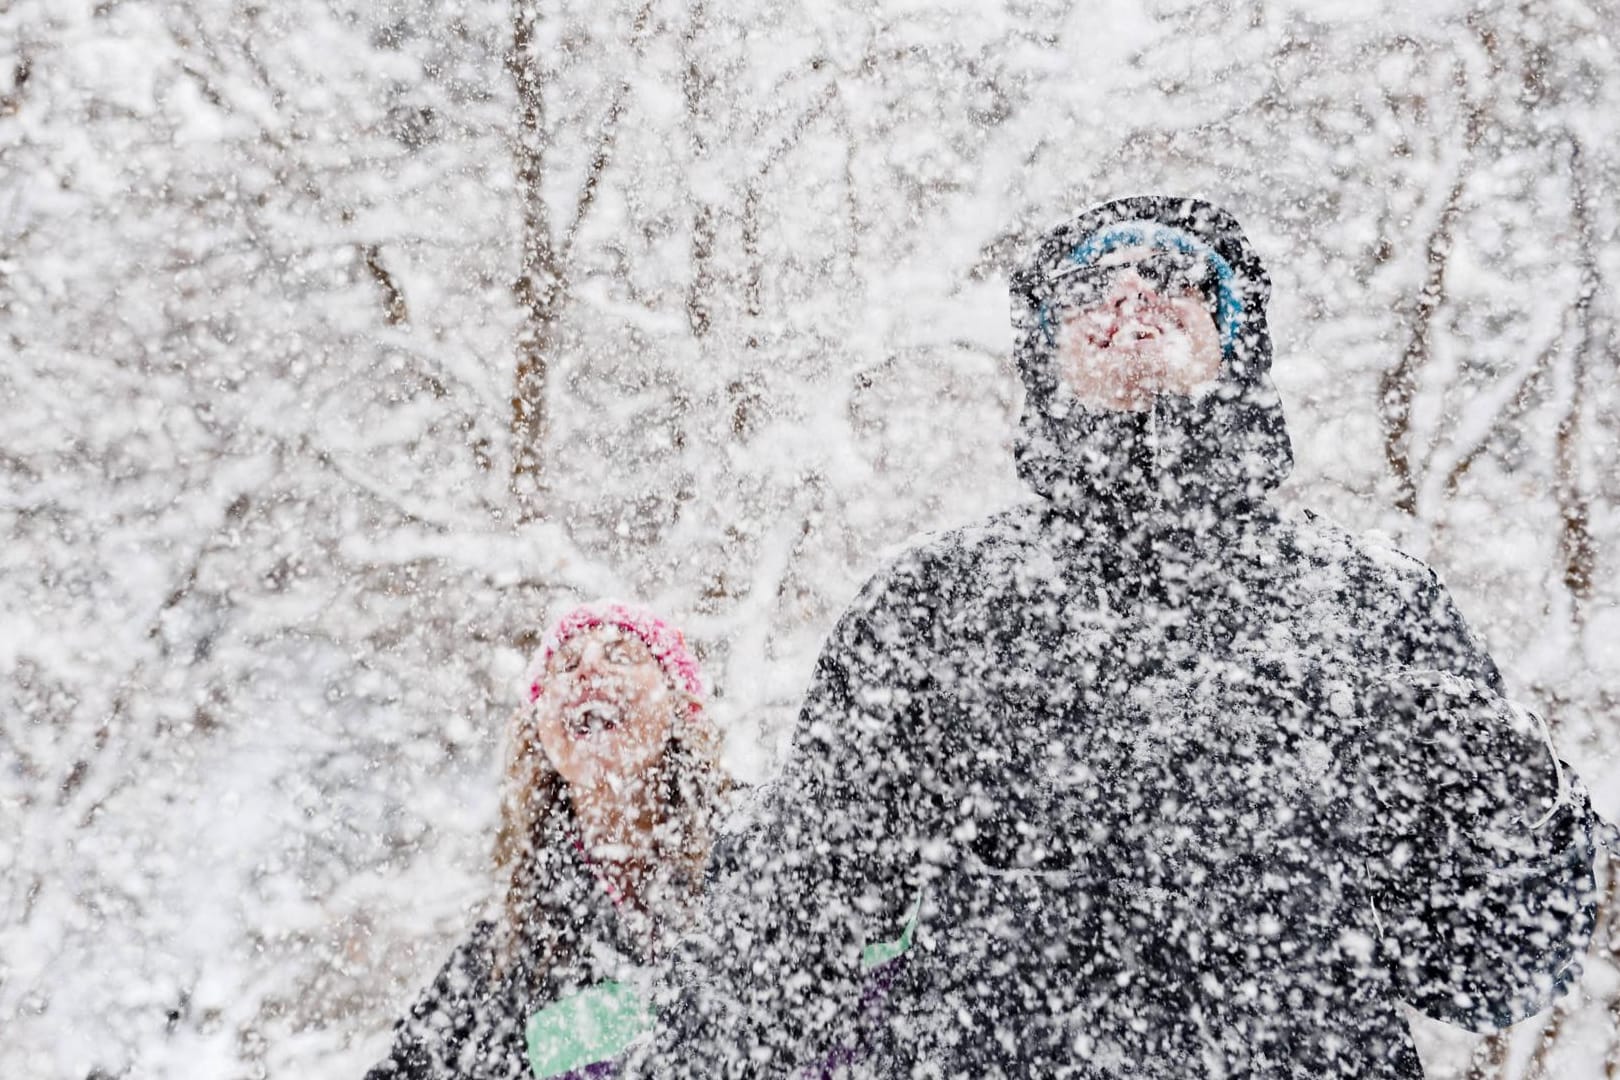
(1477,844)
(1429,737)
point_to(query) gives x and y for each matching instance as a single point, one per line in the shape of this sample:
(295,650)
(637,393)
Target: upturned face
(605,711)
(1137,338)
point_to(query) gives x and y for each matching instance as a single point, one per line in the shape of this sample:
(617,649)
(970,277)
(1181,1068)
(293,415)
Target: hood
(1216,454)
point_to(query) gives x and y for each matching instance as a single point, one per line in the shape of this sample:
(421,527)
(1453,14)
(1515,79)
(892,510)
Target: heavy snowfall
(344,345)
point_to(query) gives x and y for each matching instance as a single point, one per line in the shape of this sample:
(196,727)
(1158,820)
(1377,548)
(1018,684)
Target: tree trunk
(537,285)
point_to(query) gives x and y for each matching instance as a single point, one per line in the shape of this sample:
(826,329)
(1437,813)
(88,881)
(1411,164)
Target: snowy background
(342,342)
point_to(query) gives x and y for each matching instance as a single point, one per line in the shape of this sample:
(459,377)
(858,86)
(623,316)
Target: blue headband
(1229,308)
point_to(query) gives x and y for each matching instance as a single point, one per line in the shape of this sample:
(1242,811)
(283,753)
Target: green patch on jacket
(881,952)
(595,1024)
(601,1022)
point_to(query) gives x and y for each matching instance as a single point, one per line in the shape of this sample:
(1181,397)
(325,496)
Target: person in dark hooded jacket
(1157,781)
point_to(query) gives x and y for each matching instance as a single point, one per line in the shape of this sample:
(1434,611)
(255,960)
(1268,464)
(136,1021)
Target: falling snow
(344,345)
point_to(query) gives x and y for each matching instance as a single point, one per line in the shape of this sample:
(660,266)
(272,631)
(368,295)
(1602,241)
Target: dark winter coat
(465,1024)
(1187,789)
(470,1023)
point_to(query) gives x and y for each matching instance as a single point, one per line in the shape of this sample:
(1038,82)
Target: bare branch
(1397,386)
(1523,395)
(11,103)
(605,138)
(529,145)
(73,784)
(795,132)
(529,421)
(754,281)
(698,314)
(206,87)
(394,309)
(539,279)
(416,515)
(1608,929)
(1489,1060)
(1551,1031)
(542,283)
(753,284)
(1574,508)
(696,87)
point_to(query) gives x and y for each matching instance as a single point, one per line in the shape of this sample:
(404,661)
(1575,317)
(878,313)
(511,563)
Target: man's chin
(1117,400)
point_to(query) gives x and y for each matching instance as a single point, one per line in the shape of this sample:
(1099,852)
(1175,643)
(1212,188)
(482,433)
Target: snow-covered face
(1135,342)
(605,710)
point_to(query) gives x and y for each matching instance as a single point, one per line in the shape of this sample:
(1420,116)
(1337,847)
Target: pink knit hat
(667,644)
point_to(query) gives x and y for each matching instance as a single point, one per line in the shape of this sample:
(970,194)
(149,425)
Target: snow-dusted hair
(538,923)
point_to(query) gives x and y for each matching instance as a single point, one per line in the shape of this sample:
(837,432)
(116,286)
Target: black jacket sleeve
(432,1039)
(774,979)
(1481,855)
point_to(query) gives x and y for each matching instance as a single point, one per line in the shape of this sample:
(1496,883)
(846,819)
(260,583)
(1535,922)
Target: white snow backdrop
(343,342)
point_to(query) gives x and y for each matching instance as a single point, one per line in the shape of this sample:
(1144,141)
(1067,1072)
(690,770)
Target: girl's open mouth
(586,718)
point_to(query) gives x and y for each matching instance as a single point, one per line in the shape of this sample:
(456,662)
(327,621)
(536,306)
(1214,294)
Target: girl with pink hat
(610,793)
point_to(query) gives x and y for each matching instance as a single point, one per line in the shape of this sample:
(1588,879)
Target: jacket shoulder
(1315,535)
(932,562)
(904,617)
(1393,594)
(1370,559)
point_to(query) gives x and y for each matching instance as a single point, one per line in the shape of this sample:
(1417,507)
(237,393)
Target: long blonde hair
(537,929)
